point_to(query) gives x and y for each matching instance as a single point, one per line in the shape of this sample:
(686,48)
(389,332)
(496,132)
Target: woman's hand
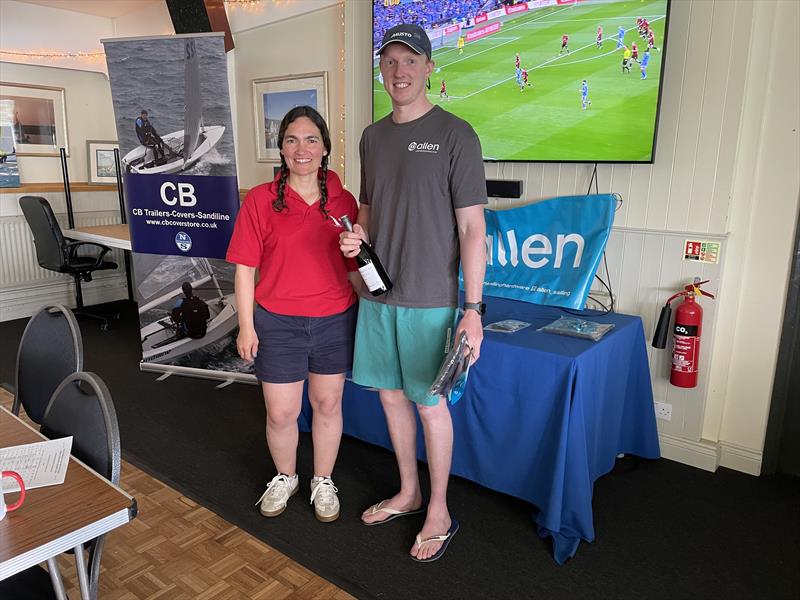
(350,241)
(247,344)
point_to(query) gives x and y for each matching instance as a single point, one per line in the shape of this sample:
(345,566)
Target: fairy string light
(341,87)
(54,54)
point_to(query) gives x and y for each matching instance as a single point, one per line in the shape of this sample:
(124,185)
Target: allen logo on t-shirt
(423,147)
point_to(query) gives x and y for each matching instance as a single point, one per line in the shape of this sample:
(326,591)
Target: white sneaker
(324,499)
(280,489)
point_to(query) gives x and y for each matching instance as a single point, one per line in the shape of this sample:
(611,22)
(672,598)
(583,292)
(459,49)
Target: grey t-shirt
(413,177)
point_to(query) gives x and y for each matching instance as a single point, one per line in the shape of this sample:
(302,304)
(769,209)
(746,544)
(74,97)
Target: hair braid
(278,204)
(323,186)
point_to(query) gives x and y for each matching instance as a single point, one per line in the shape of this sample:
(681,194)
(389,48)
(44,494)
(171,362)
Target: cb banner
(172,111)
(548,252)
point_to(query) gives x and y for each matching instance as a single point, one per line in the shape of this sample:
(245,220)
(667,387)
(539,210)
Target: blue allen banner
(548,252)
(172,110)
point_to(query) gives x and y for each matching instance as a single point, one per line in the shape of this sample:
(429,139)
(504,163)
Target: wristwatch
(480,307)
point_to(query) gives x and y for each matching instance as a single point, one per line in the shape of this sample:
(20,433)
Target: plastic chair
(50,349)
(82,407)
(54,252)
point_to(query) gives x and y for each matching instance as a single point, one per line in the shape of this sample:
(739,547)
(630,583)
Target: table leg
(55,579)
(83,576)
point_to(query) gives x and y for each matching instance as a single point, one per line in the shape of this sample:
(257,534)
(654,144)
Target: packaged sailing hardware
(451,380)
(369,265)
(577,327)
(507,326)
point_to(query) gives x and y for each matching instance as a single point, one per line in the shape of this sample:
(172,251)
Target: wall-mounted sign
(707,252)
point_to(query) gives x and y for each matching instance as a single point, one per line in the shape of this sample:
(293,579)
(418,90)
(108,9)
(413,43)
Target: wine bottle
(370,267)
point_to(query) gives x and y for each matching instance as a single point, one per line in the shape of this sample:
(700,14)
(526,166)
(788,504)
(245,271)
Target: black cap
(409,34)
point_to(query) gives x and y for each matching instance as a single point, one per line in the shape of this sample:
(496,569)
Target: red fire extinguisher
(686,334)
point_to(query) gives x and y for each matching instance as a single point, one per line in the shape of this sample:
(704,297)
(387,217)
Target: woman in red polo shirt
(302,323)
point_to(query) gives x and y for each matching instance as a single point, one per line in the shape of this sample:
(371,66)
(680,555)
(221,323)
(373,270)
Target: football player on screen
(443,91)
(525,78)
(585,102)
(645,62)
(599,42)
(564,42)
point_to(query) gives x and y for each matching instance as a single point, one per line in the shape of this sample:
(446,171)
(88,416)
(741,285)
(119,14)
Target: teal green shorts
(399,348)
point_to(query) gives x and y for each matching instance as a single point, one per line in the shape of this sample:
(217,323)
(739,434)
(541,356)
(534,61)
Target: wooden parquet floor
(176,549)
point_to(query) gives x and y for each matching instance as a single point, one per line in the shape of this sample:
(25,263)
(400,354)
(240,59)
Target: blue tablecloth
(543,415)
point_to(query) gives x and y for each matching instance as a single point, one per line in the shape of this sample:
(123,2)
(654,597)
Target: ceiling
(100,8)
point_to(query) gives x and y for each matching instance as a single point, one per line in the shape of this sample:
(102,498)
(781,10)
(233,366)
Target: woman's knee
(327,405)
(281,416)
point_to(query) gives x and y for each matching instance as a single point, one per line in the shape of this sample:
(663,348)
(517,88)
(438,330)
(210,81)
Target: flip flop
(393,514)
(437,538)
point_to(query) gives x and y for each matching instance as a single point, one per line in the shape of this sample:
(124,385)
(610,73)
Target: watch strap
(480,307)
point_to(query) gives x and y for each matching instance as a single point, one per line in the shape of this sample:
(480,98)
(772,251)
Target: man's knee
(432,414)
(392,398)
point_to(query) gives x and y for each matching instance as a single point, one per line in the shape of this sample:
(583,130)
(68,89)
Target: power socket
(663,411)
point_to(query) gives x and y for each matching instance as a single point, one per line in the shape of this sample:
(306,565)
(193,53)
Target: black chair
(50,349)
(82,407)
(57,253)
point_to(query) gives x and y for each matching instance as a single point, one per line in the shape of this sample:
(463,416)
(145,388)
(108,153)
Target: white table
(114,236)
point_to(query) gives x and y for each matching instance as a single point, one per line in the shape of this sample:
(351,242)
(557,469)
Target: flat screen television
(542,81)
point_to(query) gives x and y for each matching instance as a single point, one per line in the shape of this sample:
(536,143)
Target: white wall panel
(693,89)
(711,124)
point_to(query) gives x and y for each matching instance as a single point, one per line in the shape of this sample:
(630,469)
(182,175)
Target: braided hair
(278,205)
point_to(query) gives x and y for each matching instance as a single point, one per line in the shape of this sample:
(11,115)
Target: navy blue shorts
(289,348)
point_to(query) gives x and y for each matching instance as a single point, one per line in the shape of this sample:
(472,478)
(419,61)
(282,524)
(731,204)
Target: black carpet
(664,530)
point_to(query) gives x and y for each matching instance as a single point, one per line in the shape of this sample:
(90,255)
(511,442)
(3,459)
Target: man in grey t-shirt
(422,197)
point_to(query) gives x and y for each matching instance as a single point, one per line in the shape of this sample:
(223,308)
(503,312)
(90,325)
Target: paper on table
(39,464)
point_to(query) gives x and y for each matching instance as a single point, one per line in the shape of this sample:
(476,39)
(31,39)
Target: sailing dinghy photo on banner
(172,111)
(175,134)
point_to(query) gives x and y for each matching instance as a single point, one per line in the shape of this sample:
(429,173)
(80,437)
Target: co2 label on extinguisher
(687,330)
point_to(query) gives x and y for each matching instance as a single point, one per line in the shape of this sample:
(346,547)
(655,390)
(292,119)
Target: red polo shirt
(301,269)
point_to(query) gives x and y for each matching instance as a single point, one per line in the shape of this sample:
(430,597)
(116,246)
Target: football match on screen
(547,80)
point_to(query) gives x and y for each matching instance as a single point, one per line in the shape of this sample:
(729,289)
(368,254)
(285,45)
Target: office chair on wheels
(57,253)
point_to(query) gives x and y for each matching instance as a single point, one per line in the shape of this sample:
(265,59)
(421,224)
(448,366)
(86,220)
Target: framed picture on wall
(274,97)
(36,117)
(100,161)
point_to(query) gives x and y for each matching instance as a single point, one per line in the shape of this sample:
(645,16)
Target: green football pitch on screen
(549,119)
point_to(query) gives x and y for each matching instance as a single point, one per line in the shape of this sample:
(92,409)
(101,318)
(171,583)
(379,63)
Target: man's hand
(350,241)
(471,324)
(247,344)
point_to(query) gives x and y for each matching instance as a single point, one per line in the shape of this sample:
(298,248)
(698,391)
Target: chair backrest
(82,407)
(47,236)
(50,349)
